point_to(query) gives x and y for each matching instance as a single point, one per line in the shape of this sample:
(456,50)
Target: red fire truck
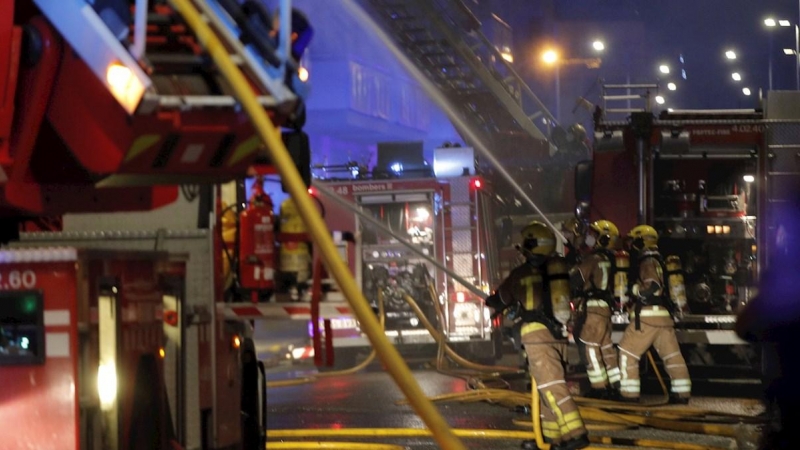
(710,182)
(105,107)
(448,220)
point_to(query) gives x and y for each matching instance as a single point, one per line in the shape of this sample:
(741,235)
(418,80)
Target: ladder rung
(207,101)
(624,110)
(622,97)
(630,86)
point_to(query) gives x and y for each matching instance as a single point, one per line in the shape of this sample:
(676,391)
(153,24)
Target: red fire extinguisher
(257,241)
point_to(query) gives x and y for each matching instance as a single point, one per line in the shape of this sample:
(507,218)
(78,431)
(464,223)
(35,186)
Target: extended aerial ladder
(444,39)
(491,103)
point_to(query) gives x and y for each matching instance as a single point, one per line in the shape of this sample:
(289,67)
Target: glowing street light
(598,45)
(550,57)
(784,23)
(746,91)
(770,22)
(671,86)
(736,76)
(730,54)
(660,100)
(664,68)
(788,51)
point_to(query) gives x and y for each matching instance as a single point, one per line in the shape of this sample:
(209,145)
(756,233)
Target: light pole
(552,58)
(771,23)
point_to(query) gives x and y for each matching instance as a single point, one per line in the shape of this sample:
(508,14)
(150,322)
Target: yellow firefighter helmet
(646,233)
(538,238)
(607,233)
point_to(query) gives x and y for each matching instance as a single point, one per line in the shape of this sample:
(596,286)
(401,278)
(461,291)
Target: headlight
(107,385)
(125,86)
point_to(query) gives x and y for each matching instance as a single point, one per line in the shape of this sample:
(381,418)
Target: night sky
(701,31)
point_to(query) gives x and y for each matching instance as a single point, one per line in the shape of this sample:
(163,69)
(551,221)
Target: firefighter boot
(579,442)
(531,444)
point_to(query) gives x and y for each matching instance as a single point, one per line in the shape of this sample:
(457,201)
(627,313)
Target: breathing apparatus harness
(649,297)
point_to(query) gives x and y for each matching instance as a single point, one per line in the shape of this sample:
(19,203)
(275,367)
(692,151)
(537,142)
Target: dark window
(21,328)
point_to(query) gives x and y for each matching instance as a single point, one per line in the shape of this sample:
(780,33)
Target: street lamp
(771,23)
(730,54)
(598,45)
(660,100)
(746,91)
(663,68)
(672,86)
(552,58)
(736,76)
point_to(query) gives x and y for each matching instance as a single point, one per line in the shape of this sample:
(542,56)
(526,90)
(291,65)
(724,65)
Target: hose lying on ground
(331,446)
(466,433)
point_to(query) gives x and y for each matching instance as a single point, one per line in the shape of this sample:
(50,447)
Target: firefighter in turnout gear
(536,294)
(592,282)
(652,321)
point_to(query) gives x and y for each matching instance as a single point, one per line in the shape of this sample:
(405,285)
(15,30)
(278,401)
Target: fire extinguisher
(257,241)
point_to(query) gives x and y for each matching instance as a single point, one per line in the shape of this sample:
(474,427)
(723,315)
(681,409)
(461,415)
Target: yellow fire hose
(292,382)
(356,368)
(291,178)
(368,360)
(331,446)
(439,337)
(650,443)
(589,426)
(468,433)
(395,433)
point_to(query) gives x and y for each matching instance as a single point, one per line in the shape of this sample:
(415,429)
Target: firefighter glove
(493,301)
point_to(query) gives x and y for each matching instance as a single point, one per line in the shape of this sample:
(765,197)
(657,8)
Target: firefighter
(294,254)
(592,282)
(537,296)
(652,322)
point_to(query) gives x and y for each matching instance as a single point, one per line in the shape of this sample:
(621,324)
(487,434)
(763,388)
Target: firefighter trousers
(601,356)
(561,420)
(657,329)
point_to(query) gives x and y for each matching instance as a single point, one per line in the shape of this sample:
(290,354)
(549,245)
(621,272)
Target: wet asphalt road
(369,400)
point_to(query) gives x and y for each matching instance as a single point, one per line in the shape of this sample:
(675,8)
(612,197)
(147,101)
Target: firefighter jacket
(647,280)
(535,295)
(593,277)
